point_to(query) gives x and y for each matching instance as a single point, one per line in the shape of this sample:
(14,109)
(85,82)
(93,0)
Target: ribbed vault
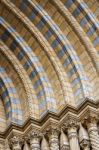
(49,57)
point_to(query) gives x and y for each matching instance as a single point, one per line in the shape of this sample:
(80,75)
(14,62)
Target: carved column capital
(71,126)
(53,131)
(85,144)
(35,137)
(91,122)
(15,142)
(72,123)
(53,134)
(35,134)
(90,119)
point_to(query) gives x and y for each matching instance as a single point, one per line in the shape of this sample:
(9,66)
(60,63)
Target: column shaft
(35,144)
(86,148)
(26,147)
(73,139)
(44,144)
(91,123)
(72,127)
(94,137)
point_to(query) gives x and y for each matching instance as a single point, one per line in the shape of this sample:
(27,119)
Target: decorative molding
(80,115)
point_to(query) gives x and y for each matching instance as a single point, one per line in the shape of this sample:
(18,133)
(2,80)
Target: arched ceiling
(49,56)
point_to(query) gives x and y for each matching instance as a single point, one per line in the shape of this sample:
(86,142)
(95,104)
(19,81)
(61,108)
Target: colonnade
(70,136)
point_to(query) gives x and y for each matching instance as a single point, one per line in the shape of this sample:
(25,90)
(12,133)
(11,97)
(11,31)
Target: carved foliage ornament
(72,123)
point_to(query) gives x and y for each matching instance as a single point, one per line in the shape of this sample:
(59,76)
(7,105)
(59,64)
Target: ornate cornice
(80,114)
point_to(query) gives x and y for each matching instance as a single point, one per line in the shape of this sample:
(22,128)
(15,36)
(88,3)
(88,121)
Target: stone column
(44,144)
(53,134)
(7,147)
(84,138)
(91,123)
(64,144)
(26,146)
(15,143)
(2,144)
(34,140)
(72,126)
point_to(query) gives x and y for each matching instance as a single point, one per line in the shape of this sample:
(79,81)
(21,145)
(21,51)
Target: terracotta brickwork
(49,74)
